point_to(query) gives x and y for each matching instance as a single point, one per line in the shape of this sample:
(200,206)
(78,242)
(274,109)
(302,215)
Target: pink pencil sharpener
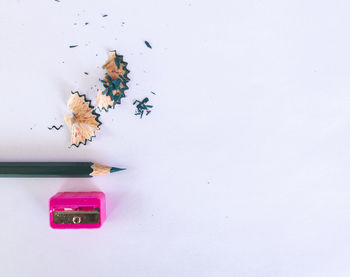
(76,210)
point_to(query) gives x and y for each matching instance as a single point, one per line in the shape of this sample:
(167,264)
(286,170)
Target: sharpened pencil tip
(116,169)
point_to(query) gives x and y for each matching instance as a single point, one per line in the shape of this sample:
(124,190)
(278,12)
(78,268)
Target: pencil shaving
(84,122)
(114,82)
(116,67)
(103,102)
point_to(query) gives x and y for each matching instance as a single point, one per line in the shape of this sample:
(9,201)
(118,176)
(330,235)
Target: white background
(240,170)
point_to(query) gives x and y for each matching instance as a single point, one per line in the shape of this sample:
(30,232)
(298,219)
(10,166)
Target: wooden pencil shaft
(45,169)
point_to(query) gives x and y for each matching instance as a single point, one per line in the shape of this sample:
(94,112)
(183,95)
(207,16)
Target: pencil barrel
(45,169)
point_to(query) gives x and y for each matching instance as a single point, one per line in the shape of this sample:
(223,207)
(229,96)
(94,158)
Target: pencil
(54,169)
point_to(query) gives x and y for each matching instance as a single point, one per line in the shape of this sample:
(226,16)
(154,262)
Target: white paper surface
(241,169)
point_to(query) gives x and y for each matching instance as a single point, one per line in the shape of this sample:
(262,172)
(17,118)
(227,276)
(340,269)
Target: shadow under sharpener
(76,210)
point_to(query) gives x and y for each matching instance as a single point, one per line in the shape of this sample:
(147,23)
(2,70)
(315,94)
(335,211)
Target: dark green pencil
(54,169)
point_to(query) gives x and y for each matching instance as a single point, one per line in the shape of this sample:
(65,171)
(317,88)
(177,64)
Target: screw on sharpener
(75,210)
(76,219)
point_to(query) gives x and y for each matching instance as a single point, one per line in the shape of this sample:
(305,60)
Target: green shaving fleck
(72,46)
(141,107)
(147,44)
(55,127)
